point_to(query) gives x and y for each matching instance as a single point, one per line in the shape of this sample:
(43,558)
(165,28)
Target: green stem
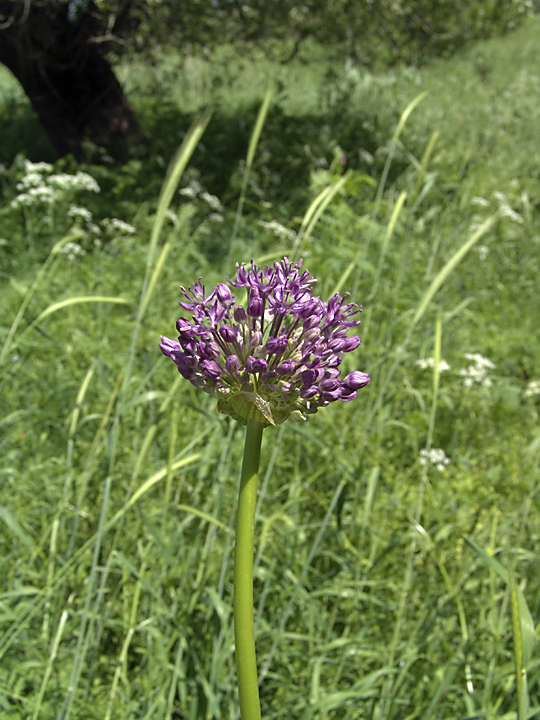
(246,664)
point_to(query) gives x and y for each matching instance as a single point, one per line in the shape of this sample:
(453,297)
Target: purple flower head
(275,356)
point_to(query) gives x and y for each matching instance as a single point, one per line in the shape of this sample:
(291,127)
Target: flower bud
(232,364)
(286,368)
(240,314)
(357,380)
(256,365)
(224,294)
(228,333)
(255,307)
(277,346)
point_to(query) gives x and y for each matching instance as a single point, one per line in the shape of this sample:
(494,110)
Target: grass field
(398,536)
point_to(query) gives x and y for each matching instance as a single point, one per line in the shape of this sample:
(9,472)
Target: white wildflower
(80,181)
(282,232)
(480,360)
(211,200)
(192,190)
(72,250)
(424,364)
(86,182)
(533,388)
(476,373)
(172,216)
(188,192)
(79,213)
(436,457)
(118,226)
(34,196)
(505,208)
(483,251)
(480,202)
(39,167)
(30,180)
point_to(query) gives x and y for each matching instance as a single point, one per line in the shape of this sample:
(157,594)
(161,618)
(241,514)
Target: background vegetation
(119,480)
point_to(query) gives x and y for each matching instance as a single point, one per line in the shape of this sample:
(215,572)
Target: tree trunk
(71,86)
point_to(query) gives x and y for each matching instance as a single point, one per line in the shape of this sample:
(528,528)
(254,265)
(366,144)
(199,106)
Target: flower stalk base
(246,665)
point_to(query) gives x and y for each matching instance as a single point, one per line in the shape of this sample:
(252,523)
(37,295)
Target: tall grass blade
(452,263)
(315,210)
(380,191)
(174,174)
(406,114)
(289,607)
(72,237)
(417,193)
(387,236)
(176,169)
(14,525)
(257,130)
(528,633)
(253,142)
(84,626)
(521,670)
(68,302)
(155,276)
(53,652)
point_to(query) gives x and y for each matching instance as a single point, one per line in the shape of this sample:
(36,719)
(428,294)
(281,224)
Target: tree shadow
(290,150)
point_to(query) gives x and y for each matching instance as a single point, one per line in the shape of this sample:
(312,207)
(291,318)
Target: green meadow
(397,570)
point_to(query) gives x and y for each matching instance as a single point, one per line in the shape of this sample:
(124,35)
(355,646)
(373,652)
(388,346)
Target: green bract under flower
(275,357)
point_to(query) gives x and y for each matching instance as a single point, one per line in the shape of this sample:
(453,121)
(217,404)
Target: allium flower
(275,356)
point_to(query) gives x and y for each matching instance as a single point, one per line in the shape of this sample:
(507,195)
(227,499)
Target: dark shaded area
(70,84)
(289,150)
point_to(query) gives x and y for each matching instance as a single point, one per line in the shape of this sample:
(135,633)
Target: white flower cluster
(429,363)
(503,205)
(79,213)
(118,226)
(480,202)
(194,190)
(278,229)
(172,216)
(72,250)
(505,208)
(35,195)
(436,457)
(482,251)
(211,200)
(533,388)
(38,186)
(80,181)
(476,373)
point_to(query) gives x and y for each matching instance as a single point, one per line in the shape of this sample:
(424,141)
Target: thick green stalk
(246,664)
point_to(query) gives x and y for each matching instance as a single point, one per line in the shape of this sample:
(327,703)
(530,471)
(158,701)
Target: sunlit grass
(118,479)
